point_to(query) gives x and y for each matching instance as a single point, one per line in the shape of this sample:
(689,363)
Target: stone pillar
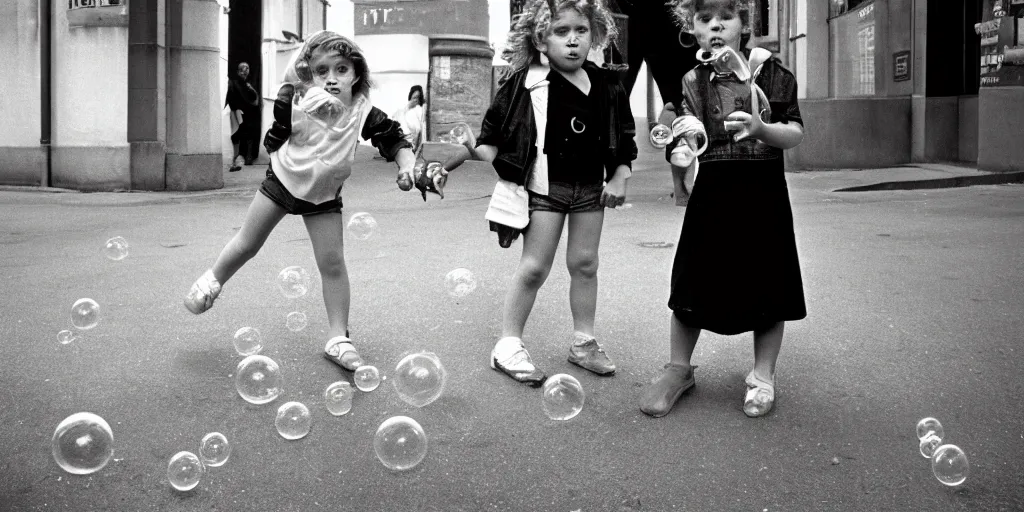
(193,96)
(147,91)
(460,82)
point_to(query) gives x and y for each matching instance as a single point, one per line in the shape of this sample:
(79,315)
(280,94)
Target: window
(852,52)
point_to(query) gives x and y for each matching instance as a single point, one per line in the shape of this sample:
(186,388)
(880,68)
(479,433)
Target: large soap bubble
(258,379)
(184,471)
(562,397)
(949,465)
(400,443)
(214,449)
(85,314)
(116,248)
(82,444)
(420,378)
(929,426)
(248,341)
(293,281)
(338,397)
(366,377)
(459,282)
(293,420)
(362,225)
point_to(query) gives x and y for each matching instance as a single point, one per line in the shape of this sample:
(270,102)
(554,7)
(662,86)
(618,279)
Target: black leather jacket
(509,125)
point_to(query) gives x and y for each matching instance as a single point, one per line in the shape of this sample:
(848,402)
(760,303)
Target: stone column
(147,91)
(459,86)
(194,160)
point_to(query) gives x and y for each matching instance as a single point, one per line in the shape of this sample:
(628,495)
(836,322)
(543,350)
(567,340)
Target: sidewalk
(650,179)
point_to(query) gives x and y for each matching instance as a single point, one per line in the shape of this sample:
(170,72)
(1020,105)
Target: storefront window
(852,49)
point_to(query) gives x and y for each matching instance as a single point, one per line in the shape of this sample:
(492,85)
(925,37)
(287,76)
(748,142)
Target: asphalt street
(914,300)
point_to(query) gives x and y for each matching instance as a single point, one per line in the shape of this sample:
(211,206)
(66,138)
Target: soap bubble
(928,445)
(338,397)
(949,465)
(929,425)
(366,378)
(460,282)
(296,321)
(293,420)
(184,471)
(248,341)
(66,336)
(458,134)
(82,443)
(420,378)
(116,248)
(362,225)
(661,136)
(258,379)
(214,449)
(562,397)
(85,314)
(400,443)
(293,281)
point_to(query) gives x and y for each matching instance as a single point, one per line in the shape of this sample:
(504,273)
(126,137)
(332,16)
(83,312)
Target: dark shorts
(275,191)
(568,198)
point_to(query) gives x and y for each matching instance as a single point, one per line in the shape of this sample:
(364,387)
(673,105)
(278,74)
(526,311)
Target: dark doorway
(245,38)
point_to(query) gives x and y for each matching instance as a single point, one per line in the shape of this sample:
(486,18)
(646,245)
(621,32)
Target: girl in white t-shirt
(413,118)
(321,110)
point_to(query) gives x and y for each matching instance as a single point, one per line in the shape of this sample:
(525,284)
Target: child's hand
(744,124)
(614,193)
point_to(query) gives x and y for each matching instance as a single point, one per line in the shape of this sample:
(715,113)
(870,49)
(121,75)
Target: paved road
(914,304)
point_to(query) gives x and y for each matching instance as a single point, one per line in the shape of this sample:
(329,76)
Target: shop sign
(901,66)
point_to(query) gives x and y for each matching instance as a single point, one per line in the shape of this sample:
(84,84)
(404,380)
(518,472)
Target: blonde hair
(298,71)
(531,26)
(683,12)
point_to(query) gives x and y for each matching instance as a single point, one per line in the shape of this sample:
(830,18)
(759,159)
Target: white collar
(536,76)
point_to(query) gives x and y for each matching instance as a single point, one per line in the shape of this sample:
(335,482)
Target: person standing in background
(413,118)
(244,102)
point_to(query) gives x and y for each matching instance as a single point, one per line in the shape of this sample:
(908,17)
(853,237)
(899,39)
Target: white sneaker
(202,294)
(510,357)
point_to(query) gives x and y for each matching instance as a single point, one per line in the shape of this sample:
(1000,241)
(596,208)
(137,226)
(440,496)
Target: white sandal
(760,396)
(343,353)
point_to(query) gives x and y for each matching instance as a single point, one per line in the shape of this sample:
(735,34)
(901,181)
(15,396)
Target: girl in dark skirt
(736,268)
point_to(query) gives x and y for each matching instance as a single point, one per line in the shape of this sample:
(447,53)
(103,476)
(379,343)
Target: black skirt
(736,267)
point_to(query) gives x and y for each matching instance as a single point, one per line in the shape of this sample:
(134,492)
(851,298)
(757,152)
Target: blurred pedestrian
(412,117)
(245,104)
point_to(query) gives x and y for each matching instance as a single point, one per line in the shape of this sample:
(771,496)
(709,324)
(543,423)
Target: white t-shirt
(317,158)
(412,122)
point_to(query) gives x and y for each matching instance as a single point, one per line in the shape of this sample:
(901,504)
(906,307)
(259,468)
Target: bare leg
(682,341)
(326,232)
(581,258)
(260,220)
(767,345)
(539,244)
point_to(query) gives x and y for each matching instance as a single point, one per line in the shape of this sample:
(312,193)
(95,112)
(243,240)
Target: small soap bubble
(85,314)
(400,443)
(258,379)
(82,444)
(661,136)
(116,248)
(184,471)
(562,397)
(293,281)
(949,465)
(460,282)
(366,378)
(929,426)
(338,397)
(248,341)
(66,336)
(420,378)
(458,134)
(928,445)
(296,321)
(214,449)
(361,225)
(293,420)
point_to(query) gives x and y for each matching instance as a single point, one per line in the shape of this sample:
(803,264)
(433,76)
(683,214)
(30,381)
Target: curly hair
(683,11)
(531,26)
(328,41)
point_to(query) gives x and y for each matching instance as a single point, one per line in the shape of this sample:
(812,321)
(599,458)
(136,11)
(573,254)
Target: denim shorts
(568,198)
(276,192)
